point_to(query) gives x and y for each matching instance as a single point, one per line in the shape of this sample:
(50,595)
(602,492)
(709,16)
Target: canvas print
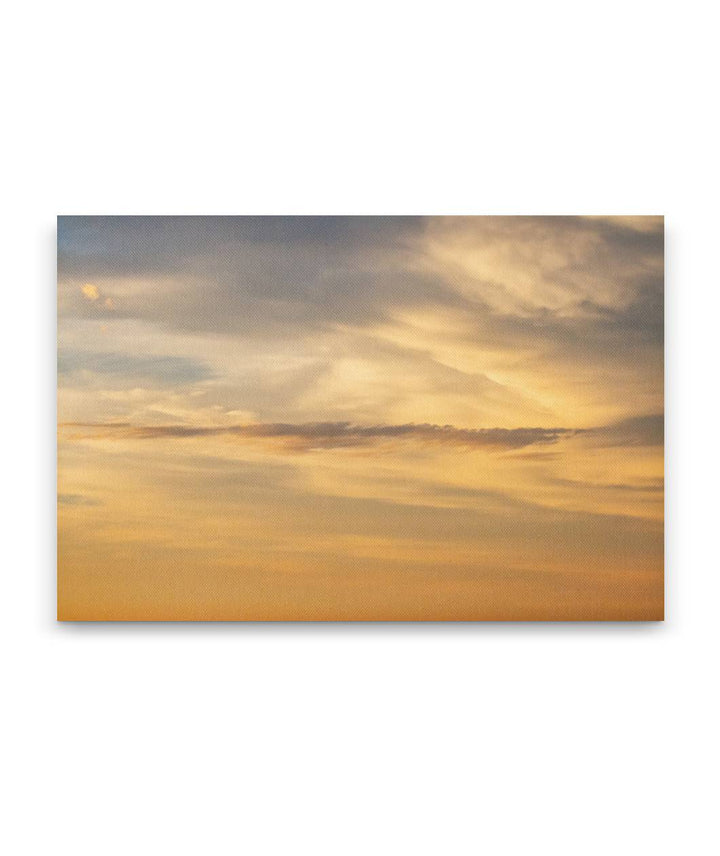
(360,418)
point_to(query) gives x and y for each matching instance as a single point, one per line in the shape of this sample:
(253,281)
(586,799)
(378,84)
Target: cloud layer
(358,416)
(333,435)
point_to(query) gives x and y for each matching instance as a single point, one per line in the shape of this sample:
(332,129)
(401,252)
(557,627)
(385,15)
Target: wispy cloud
(76,499)
(651,485)
(160,370)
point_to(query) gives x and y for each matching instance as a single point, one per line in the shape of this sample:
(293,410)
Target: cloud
(564,293)
(522,265)
(76,499)
(472,321)
(131,245)
(332,435)
(158,370)
(304,399)
(648,485)
(309,436)
(636,431)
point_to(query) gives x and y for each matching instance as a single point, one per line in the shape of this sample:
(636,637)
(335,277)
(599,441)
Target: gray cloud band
(643,430)
(327,435)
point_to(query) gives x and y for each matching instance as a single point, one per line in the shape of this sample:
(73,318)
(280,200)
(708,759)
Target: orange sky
(360,418)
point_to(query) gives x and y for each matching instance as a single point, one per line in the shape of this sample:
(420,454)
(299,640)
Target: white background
(340,739)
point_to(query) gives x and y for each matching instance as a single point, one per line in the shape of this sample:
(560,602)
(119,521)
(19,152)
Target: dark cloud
(306,436)
(332,435)
(249,276)
(289,276)
(637,431)
(131,246)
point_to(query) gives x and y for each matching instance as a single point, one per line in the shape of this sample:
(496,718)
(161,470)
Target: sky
(371,418)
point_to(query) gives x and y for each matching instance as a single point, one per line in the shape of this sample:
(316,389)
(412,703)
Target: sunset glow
(360,418)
